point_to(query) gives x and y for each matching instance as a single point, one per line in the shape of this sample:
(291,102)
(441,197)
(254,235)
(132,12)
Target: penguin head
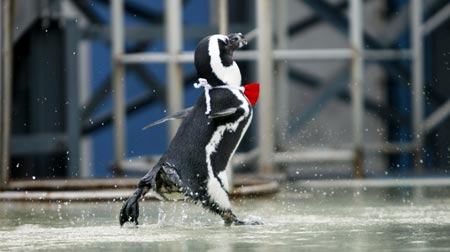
(214,59)
(235,41)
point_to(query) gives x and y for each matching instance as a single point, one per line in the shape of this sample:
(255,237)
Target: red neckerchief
(252,92)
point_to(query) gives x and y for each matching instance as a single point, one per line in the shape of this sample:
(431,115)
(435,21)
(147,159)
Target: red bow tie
(252,92)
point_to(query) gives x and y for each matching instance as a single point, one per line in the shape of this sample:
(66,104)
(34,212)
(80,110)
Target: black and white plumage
(195,162)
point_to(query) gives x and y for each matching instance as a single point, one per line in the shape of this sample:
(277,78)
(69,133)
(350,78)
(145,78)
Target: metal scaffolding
(268,55)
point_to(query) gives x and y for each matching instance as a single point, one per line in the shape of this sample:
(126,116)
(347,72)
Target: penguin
(196,160)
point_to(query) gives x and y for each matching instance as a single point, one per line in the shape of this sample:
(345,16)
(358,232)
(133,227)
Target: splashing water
(337,219)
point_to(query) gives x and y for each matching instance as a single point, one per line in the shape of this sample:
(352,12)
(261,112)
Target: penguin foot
(130,211)
(247,222)
(230,218)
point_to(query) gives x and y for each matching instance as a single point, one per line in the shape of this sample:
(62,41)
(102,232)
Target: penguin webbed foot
(130,209)
(238,222)
(230,218)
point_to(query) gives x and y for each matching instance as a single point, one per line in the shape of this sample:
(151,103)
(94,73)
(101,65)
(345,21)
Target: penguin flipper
(178,115)
(223,113)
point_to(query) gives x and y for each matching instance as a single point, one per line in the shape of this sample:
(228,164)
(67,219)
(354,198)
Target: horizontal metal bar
(139,164)
(310,155)
(374,183)
(143,164)
(316,155)
(339,155)
(155,57)
(95,195)
(149,32)
(72,184)
(390,147)
(312,54)
(386,54)
(111,189)
(278,54)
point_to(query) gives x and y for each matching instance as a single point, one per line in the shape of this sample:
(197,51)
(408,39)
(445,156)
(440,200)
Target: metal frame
(118,80)
(6,89)
(357,81)
(71,37)
(418,78)
(266,55)
(282,76)
(174,71)
(265,77)
(265,51)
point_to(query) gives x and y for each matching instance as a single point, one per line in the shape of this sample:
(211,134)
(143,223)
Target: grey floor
(303,217)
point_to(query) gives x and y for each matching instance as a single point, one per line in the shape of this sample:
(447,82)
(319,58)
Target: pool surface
(300,218)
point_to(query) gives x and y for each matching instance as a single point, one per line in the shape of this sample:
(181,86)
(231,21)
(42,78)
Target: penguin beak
(237,40)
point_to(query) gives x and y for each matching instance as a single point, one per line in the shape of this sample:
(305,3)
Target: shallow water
(297,219)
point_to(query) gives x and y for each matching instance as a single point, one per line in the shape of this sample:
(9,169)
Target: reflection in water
(355,219)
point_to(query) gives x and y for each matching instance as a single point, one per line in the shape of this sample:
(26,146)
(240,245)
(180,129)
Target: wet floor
(300,218)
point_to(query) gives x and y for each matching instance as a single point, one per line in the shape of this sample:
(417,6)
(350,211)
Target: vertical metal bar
(282,103)
(174,73)
(223,16)
(73,114)
(357,77)
(417,77)
(1,62)
(2,82)
(7,9)
(7,90)
(265,76)
(118,81)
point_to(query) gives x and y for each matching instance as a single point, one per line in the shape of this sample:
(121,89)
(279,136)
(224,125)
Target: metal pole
(73,113)
(2,15)
(417,78)
(357,77)
(1,64)
(265,76)
(223,16)
(278,54)
(174,74)
(7,9)
(282,103)
(118,81)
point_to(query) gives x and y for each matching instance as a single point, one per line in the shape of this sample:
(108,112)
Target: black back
(187,150)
